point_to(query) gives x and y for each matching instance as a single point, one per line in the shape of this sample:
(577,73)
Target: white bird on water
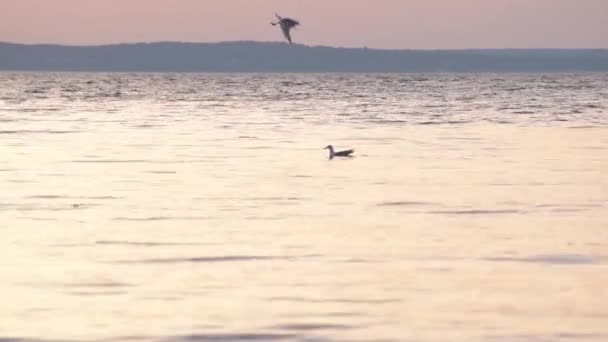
(286,25)
(332,153)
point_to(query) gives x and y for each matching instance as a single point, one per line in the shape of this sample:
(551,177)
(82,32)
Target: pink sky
(425,24)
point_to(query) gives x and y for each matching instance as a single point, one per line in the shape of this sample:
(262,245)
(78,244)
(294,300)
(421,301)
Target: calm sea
(202,207)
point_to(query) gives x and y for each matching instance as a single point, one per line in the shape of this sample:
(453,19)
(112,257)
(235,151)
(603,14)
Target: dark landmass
(281,57)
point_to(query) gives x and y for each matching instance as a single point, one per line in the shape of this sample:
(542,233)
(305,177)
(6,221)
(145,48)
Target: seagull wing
(286,28)
(291,22)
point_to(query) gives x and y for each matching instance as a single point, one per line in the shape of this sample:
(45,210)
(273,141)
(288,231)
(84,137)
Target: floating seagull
(286,25)
(332,153)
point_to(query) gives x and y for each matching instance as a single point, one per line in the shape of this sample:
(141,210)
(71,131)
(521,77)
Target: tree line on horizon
(282,57)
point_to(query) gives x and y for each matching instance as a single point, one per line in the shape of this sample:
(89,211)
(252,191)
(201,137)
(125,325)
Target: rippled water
(158,207)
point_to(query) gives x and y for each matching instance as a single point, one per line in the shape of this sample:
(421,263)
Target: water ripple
(230,337)
(312,326)
(476,212)
(163,218)
(212,259)
(555,259)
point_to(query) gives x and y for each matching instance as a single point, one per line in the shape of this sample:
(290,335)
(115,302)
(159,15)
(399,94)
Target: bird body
(286,25)
(333,153)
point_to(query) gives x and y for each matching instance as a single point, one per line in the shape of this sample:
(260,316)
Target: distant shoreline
(160,42)
(270,57)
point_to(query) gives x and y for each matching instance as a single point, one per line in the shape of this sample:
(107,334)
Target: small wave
(111,161)
(146,126)
(584,127)
(36,91)
(49,219)
(96,293)
(160,172)
(72,197)
(476,212)
(359,261)
(559,259)
(108,284)
(336,300)
(210,259)
(404,204)
(292,198)
(312,326)
(37,132)
(36,207)
(145,243)
(387,121)
(18,339)
(567,210)
(229,337)
(162,218)
(562,337)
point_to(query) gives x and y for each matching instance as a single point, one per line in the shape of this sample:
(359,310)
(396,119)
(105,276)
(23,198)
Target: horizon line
(299,45)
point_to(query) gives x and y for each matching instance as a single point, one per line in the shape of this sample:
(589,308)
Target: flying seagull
(332,153)
(286,25)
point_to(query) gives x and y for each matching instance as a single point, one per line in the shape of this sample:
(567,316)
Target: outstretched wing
(291,22)
(286,29)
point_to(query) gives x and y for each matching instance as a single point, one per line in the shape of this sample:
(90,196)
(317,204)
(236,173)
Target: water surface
(162,207)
